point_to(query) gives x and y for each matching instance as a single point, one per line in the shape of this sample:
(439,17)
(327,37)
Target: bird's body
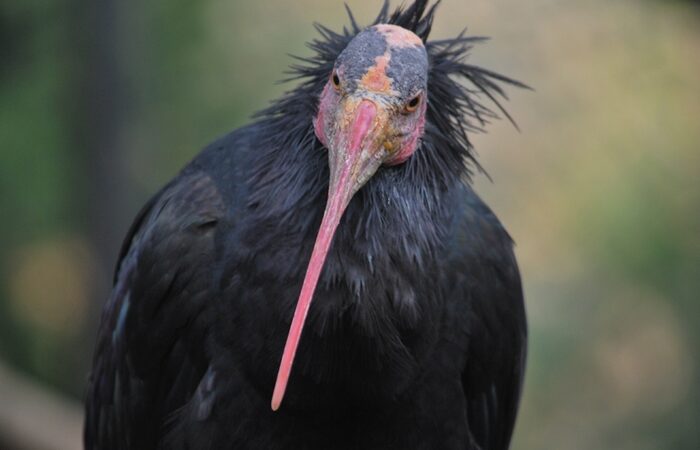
(416,338)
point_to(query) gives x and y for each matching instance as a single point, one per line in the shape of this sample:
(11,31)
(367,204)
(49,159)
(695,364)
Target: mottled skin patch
(376,79)
(408,70)
(397,37)
(360,54)
(384,59)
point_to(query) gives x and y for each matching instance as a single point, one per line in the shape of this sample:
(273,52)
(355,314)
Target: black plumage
(416,338)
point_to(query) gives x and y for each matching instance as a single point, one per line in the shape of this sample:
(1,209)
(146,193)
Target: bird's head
(372,109)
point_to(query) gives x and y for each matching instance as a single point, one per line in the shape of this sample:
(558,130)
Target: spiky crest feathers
(459,93)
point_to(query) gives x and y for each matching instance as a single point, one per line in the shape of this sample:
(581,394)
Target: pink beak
(355,157)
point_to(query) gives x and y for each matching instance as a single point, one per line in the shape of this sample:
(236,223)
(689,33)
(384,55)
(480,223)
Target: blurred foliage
(100,105)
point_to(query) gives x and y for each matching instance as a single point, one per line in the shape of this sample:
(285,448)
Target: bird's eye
(412,104)
(335,79)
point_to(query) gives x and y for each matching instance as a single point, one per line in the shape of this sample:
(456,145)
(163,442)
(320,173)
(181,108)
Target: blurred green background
(102,102)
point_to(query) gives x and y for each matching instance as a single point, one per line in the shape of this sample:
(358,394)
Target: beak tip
(275,404)
(277,396)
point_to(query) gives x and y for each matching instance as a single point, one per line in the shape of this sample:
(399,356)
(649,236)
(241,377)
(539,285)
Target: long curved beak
(354,157)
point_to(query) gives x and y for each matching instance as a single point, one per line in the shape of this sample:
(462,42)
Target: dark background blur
(101,102)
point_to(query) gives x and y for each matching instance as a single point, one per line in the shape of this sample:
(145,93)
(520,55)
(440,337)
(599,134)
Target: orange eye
(335,79)
(412,104)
